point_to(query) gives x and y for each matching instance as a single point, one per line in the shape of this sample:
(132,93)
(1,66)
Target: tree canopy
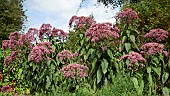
(12,17)
(116,3)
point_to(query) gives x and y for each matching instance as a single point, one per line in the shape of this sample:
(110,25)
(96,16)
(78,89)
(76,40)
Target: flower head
(59,33)
(5,88)
(81,22)
(102,30)
(128,14)
(65,55)
(47,45)
(13,42)
(158,34)
(74,71)
(152,48)
(40,52)
(134,58)
(12,57)
(14,36)
(45,29)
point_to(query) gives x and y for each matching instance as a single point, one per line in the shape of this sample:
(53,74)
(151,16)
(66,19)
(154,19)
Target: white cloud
(59,12)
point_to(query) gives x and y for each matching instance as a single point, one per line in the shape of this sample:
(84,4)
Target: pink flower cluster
(81,22)
(9,44)
(40,52)
(58,33)
(66,55)
(45,28)
(27,39)
(74,71)
(5,89)
(152,48)
(47,45)
(128,14)
(13,56)
(159,34)
(102,30)
(134,58)
(18,40)
(14,36)
(13,42)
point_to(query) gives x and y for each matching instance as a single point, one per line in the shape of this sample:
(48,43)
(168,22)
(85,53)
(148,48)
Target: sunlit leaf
(104,65)
(165,77)
(127,46)
(165,91)
(99,75)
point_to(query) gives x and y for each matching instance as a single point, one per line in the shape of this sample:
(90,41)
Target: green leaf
(91,51)
(121,46)
(149,70)
(85,57)
(165,77)
(127,46)
(157,70)
(150,80)
(156,60)
(104,65)
(109,52)
(136,47)
(165,91)
(34,67)
(54,48)
(116,64)
(106,82)
(82,42)
(139,88)
(81,36)
(94,63)
(124,39)
(83,51)
(161,57)
(48,82)
(136,31)
(127,62)
(132,38)
(128,33)
(99,53)
(87,46)
(169,63)
(54,62)
(94,85)
(135,82)
(99,75)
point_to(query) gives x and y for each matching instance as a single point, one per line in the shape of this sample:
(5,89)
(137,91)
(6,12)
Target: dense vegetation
(12,17)
(128,58)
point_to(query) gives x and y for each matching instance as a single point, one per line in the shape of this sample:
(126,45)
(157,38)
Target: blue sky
(58,12)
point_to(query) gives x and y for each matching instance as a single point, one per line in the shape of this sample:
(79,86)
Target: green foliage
(107,75)
(152,14)
(102,63)
(121,86)
(12,17)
